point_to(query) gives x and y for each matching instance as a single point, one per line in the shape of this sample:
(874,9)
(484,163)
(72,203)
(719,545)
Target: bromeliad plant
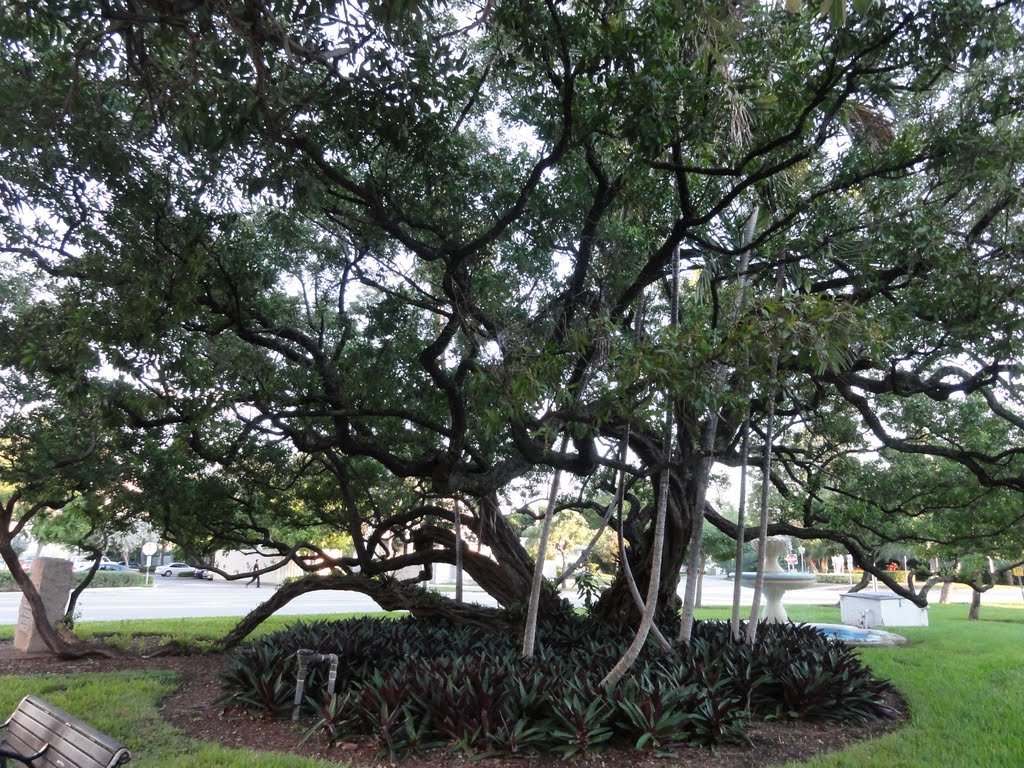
(659,713)
(411,685)
(263,680)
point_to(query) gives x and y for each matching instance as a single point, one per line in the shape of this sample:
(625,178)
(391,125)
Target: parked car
(84,563)
(114,567)
(173,569)
(131,564)
(203,573)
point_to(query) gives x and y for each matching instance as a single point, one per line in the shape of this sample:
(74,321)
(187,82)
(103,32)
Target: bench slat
(65,722)
(63,755)
(56,727)
(73,743)
(62,741)
(60,754)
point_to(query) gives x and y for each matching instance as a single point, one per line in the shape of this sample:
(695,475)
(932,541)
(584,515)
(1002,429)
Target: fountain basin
(774,586)
(850,635)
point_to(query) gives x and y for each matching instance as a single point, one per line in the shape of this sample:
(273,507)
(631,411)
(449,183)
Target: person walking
(255,574)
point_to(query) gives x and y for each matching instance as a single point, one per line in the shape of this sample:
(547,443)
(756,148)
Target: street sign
(1018,571)
(149,549)
(791,559)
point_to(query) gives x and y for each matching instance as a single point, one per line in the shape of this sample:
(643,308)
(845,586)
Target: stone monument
(52,579)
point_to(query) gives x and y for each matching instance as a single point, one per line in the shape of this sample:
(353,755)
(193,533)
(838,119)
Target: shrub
(837,578)
(845,578)
(101,579)
(412,685)
(111,579)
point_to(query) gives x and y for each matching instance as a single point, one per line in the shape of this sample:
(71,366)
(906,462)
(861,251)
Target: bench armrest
(6,754)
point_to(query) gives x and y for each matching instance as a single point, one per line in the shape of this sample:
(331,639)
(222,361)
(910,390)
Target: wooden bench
(40,735)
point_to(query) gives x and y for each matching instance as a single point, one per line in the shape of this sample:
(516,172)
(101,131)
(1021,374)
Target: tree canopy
(340,266)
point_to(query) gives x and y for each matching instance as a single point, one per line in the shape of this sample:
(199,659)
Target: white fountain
(776,580)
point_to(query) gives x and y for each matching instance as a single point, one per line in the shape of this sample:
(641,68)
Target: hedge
(101,579)
(845,578)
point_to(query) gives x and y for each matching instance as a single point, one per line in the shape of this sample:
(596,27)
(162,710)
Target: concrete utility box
(880,609)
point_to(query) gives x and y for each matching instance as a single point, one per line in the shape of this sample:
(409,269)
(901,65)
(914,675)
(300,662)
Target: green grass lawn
(124,705)
(964,682)
(120,633)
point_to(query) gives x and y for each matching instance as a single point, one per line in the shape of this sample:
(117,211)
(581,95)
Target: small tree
(53,464)
(569,531)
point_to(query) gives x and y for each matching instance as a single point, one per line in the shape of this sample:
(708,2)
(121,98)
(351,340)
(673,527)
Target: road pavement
(194,598)
(174,597)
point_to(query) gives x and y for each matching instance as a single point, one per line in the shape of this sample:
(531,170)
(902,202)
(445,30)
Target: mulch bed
(192,710)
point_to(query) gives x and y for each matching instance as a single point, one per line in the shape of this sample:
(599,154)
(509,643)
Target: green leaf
(837,13)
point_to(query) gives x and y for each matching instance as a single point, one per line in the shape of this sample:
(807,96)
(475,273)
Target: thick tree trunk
(616,606)
(388,594)
(944,594)
(509,586)
(695,555)
(975,610)
(512,574)
(505,575)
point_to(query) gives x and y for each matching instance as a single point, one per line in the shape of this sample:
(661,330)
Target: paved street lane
(182,598)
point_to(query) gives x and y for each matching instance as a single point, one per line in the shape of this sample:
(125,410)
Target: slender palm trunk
(762,535)
(734,624)
(766,474)
(530,633)
(628,571)
(694,564)
(458,552)
(653,585)
(658,544)
(693,561)
(698,601)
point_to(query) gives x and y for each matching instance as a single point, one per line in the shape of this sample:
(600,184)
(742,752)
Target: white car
(173,569)
(85,562)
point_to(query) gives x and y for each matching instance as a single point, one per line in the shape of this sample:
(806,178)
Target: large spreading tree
(369,264)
